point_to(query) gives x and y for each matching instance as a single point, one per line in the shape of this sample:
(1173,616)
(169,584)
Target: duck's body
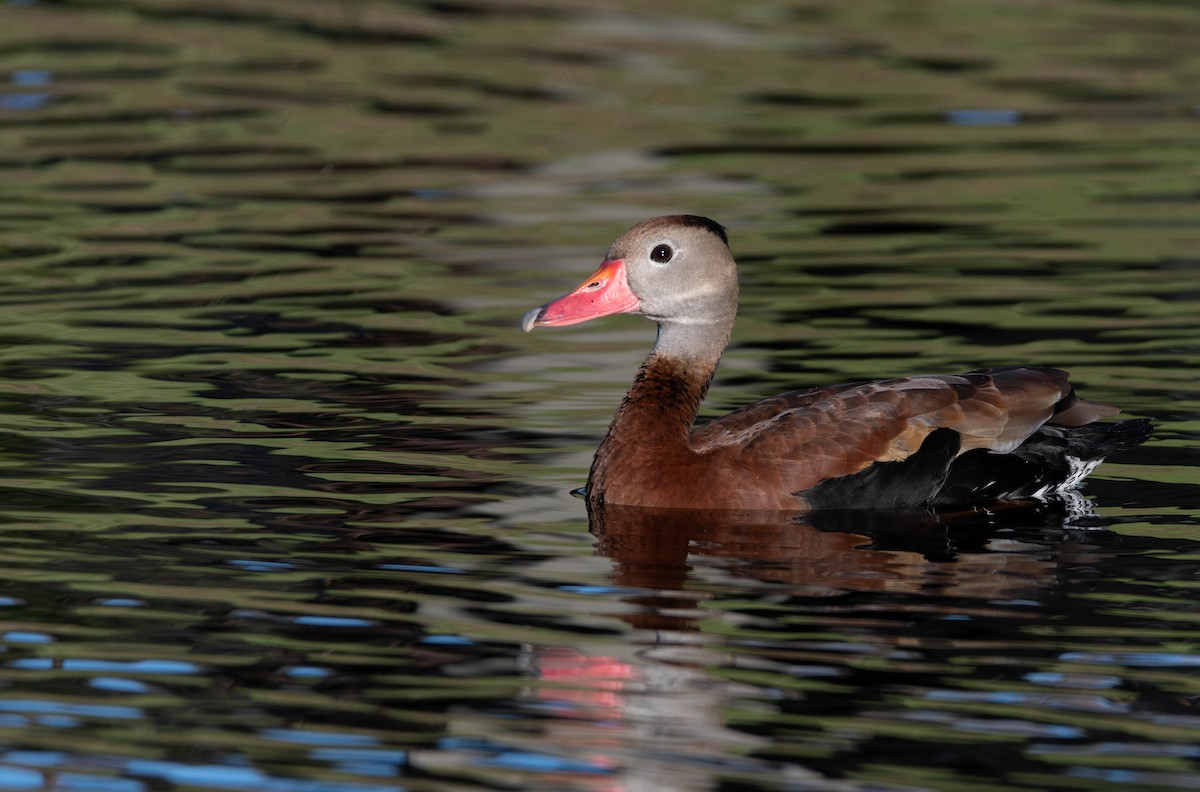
(894,444)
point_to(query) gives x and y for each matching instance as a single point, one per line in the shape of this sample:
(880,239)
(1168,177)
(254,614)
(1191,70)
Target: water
(286,493)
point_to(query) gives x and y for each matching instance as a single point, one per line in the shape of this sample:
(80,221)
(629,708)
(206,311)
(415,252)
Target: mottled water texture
(284,492)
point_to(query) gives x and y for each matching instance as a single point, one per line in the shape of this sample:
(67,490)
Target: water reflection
(968,554)
(949,623)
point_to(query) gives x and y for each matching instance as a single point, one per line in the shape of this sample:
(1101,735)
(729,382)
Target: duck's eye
(661,254)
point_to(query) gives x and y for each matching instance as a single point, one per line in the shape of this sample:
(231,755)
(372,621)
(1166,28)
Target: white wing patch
(1080,468)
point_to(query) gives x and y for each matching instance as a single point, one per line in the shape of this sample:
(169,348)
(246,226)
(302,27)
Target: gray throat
(698,342)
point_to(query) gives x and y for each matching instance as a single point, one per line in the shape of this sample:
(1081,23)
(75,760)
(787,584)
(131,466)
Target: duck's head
(676,270)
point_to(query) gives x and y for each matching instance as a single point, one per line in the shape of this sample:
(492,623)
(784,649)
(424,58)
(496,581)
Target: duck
(913,443)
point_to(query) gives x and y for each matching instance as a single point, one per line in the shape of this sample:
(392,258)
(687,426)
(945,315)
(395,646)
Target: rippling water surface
(286,493)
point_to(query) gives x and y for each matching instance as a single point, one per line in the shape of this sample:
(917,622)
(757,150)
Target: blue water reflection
(983,117)
(147,666)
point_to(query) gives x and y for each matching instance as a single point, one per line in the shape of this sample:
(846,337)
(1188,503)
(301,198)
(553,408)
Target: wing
(805,437)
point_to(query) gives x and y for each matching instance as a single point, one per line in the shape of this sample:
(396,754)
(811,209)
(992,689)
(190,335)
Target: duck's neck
(656,417)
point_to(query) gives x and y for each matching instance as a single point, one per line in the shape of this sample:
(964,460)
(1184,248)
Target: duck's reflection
(658,549)
(731,610)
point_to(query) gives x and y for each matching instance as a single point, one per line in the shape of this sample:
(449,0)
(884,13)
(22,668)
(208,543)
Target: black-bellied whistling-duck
(913,442)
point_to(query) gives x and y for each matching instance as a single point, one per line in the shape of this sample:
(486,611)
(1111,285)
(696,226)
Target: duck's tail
(1053,460)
